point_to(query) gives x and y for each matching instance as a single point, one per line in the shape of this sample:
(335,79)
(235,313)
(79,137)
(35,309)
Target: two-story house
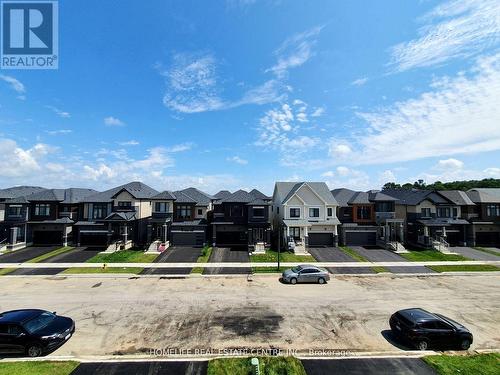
(116,218)
(485,220)
(305,213)
(242,219)
(368,219)
(14,216)
(162,213)
(431,217)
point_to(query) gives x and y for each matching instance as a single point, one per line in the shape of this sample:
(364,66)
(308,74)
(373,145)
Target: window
(183,212)
(329,211)
(314,212)
(100,211)
(493,210)
(425,212)
(161,206)
(364,212)
(443,212)
(294,212)
(236,211)
(295,233)
(15,210)
(258,212)
(125,204)
(42,209)
(384,207)
(200,211)
(455,212)
(278,210)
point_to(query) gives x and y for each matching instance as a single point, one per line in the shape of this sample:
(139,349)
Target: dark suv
(33,332)
(424,330)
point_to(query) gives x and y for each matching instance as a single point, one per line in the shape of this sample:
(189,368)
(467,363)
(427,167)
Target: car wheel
(321,280)
(465,344)
(34,350)
(423,345)
(293,281)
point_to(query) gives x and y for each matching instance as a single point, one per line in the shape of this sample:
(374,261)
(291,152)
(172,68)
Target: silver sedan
(306,273)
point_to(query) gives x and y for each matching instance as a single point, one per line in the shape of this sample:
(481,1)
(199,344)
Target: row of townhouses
(298,215)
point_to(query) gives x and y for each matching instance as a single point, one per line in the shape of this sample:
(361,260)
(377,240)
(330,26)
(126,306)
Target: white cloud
(492,172)
(451,30)
(18,162)
(113,121)
(339,150)
(450,164)
(237,160)
(386,176)
(15,84)
(348,178)
(59,112)
(295,51)
(343,171)
(179,148)
(328,174)
(132,142)
(59,132)
(359,81)
(318,112)
(457,115)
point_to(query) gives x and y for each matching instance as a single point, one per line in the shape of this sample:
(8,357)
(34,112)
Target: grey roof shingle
(181,197)
(164,195)
(65,196)
(481,196)
(254,197)
(137,189)
(458,197)
(201,198)
(222,194)
(287,189)
(18,191)
(413,197)
(345,197)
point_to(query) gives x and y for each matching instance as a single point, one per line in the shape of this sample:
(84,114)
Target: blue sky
(239,94)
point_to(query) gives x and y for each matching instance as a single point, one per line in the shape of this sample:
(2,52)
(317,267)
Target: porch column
(65,236)
(125,233)
(426,231)
(387,233)
(335,236)
(165,233)
(444,232)
(306,237)
(401,233)
(13,235)
(214,235)
(287,232)
(110,234)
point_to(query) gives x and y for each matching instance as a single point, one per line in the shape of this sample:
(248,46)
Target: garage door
(183,238)
(361,238)
(47,237)
(320,239)
(231,238)
(453,238)
(94,240)
(487,239)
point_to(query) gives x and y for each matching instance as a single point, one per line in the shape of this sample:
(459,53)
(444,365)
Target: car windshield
(39,322)
(296,269)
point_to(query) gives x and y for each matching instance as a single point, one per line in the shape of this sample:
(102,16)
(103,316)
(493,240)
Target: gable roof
(288,189)
(343,196)
(19,191)
(482,196)
(201,198)
(458,197)
(413,197)
(65,196)
(222,194)
(181,197)
(253,197)
(164,195)
(137,189)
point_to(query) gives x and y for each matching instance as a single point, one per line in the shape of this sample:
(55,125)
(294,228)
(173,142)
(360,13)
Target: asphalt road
(23,255)
(226,254)
(474,254)
(368,366)
(121,315)
(382,255)
(175,254)
(141,368)
(333,254)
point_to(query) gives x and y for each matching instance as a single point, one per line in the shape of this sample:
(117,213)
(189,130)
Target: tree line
(438,185)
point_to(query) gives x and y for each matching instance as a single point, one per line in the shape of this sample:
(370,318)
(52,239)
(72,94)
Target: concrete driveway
(333,254)
(175,254)
(474,254)
(228,254)
(120,315)
(382,255)
(367,366)
(77,255)
(139,368)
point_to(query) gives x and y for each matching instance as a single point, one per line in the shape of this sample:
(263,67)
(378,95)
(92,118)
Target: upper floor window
(42,209)
(443,212)
(329,211)
(364,212)
(100,210)
(162,206)
(258,212)
(183,212)
(294,212)
(236,210)
(455,211)
(125,204)
(15,210)
(314,212)
(200,211)
(425,212)
(493,210)
(384,207)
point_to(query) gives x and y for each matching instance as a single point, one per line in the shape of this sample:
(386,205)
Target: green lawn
(285,256)
(268,269)
(480,364)
(268,366)
(5,271)
(431,256)
(38,368)
(360,258)
(489,251)
(465,268)
(50,254)
(125,256)
(203,258)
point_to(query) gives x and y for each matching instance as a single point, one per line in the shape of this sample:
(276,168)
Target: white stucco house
(305,213)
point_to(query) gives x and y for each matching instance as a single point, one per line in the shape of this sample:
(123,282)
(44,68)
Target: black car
(33,332)
(424,330)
